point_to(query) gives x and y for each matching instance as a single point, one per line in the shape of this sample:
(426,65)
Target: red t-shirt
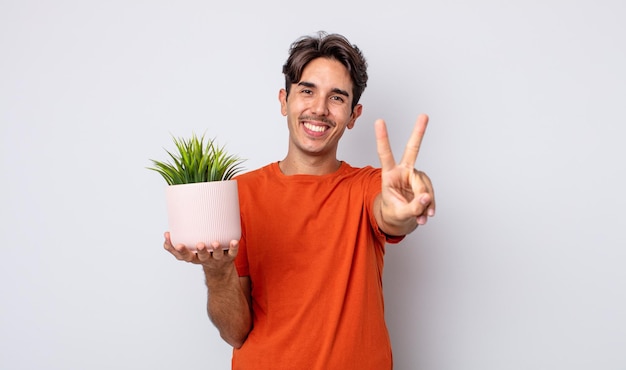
(314,254)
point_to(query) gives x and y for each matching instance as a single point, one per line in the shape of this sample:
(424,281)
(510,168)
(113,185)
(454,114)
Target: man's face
(318,108)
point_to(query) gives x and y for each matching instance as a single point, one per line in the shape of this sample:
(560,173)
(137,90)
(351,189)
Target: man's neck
(308,166)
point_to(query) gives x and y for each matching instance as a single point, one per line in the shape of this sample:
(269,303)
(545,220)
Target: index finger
(415,141)
(382,145)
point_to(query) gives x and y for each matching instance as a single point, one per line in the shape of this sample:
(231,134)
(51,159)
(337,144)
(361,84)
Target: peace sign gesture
(407,198)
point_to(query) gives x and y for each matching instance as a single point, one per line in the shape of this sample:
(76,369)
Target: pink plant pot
(203,212)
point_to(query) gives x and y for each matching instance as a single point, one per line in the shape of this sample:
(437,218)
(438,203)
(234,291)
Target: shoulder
(360,173)
(255,174)
(365,179)
(256,179)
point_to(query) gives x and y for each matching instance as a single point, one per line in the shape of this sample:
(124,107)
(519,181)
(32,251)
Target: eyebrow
(335,90)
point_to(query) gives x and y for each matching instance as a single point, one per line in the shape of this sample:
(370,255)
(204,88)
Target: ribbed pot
(203,212)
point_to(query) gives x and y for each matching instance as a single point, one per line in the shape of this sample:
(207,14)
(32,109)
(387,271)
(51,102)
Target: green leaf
(197,159)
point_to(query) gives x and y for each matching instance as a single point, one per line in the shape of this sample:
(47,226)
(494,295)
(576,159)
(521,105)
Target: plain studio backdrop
(523,267)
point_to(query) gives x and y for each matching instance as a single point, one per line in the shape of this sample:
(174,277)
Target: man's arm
(407,197)
(228,306)
(229,296)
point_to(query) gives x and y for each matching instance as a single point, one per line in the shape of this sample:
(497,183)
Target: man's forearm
(228,307)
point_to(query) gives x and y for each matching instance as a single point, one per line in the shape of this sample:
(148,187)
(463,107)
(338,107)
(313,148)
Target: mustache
(319,119)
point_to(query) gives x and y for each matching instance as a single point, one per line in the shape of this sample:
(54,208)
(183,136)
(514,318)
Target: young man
(302,289)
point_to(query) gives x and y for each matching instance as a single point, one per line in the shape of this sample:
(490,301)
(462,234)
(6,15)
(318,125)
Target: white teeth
(315,128)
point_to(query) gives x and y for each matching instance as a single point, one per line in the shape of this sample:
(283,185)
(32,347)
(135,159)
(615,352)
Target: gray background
(522,268)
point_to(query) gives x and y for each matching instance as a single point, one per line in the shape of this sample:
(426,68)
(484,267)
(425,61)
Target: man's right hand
(212,257)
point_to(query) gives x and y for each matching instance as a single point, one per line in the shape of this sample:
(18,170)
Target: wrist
(392,226)
(219,277)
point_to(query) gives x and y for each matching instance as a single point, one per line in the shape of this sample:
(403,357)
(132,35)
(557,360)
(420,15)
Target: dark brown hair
(332,46)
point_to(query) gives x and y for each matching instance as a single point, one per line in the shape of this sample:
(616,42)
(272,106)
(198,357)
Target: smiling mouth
(315,128)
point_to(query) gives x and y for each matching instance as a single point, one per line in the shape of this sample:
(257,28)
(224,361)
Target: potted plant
(201,194)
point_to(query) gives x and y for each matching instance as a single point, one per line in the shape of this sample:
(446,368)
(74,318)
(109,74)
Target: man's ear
(356,112)
(282,98)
